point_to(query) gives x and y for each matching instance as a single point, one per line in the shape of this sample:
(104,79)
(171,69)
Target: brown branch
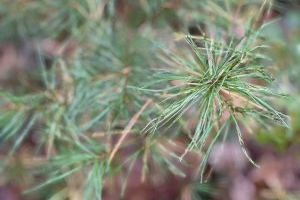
(127,130)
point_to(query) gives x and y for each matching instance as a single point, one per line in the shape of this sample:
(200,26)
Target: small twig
(49,147)
(145,161)
(103,134)
(127,130)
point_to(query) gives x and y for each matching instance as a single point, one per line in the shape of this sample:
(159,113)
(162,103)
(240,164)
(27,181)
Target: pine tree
(105,92)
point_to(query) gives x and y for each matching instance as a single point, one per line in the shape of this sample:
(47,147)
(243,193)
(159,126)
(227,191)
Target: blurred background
(75,43)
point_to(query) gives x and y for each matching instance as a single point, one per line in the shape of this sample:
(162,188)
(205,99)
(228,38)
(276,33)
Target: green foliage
(219,81)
